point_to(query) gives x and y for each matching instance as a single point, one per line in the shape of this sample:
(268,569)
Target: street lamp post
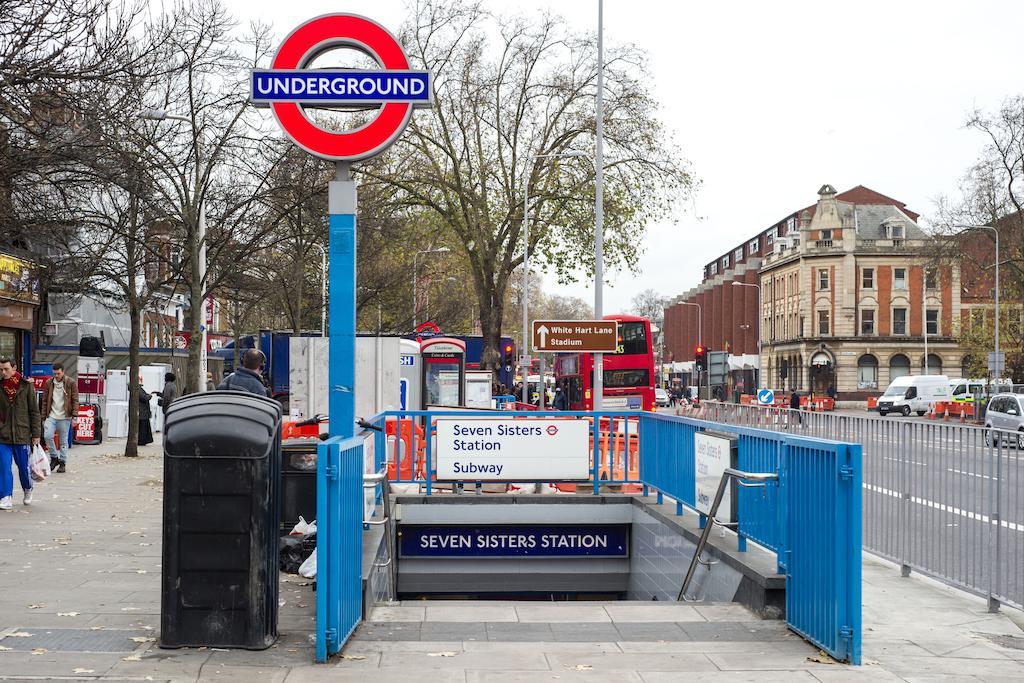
(526,258)
(599,205)
(760,313)
(415,310)
(162,115)
(323,289)
(995,232)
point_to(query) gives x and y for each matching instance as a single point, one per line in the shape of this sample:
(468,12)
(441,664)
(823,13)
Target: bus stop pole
(341,200)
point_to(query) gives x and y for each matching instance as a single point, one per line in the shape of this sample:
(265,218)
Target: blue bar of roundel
(334,87)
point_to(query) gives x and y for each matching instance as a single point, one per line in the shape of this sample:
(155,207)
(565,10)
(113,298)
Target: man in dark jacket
(794,404)
(169,393)
(60,407)
(247,377)
(20,429)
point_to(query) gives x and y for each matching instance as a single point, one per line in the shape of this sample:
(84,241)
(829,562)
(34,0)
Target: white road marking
(1012,526)
(968,474)
(912,462)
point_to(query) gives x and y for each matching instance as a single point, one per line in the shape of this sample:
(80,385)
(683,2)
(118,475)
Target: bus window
(634,337)
(618,379)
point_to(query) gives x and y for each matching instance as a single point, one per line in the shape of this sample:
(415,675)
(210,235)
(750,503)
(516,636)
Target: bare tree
(991,193)
(507,91)
(650,305)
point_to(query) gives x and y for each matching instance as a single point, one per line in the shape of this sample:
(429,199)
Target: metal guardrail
(940,498)
(812,520)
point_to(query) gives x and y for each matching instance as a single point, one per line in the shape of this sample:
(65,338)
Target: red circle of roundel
(337,30)
(552,430)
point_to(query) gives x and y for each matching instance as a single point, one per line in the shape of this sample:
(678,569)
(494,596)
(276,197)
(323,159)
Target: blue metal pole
(341,371)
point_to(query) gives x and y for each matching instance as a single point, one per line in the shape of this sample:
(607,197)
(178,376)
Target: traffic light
(698,357)
(508,359)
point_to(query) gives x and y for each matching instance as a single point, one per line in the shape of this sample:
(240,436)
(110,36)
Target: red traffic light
(508,348)
(699,350)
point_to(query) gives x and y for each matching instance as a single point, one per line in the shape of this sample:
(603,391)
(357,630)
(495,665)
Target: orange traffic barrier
(404,469)
(872,402)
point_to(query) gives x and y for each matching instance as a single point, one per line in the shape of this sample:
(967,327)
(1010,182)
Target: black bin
(222,460)
(298,482)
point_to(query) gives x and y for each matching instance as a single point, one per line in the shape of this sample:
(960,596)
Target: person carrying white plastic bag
(39,463)
(20,429)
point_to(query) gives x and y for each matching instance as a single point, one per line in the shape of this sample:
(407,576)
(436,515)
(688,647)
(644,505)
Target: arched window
(867,372)
(934,365)
(899,366)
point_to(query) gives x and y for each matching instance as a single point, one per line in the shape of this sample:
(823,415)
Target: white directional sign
(713,455)
(512,449)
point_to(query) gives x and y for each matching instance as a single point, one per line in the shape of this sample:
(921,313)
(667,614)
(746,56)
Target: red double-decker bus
(628,374)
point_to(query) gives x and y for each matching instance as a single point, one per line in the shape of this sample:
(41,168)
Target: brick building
(846,298)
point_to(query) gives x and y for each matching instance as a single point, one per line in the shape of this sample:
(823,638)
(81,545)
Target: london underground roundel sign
(289,86)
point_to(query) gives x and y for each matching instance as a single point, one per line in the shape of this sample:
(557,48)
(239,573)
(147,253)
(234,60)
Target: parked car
(1004,414)
(661,397)
(914,393)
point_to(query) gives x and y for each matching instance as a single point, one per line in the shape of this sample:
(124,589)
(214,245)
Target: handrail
(729,473)
(371,481)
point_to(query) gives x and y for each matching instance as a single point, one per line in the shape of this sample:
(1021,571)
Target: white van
(914,393)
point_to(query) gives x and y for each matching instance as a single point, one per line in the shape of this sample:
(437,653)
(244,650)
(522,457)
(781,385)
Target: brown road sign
(593,336)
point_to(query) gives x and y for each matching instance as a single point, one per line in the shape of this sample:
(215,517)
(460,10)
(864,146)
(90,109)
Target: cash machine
(443,374)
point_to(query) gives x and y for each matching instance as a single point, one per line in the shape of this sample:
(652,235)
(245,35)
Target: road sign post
(575,336)
(289,88)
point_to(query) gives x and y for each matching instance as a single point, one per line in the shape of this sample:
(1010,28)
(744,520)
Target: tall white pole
(203,360)
(414,301)
(599,205)
(524,365)
(999,365)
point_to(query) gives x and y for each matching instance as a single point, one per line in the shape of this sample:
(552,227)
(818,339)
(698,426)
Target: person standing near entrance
(20,429)
(60,407)
(248,377)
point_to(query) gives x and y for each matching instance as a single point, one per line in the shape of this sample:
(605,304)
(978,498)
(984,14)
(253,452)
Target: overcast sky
(771,100)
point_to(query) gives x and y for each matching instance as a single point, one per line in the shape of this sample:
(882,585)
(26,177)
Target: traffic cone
(963,415)
(945,418)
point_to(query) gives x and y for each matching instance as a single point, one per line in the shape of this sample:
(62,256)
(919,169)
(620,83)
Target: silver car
(1005,414)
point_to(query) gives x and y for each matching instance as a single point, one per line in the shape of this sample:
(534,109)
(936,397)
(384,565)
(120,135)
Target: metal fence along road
(942,499)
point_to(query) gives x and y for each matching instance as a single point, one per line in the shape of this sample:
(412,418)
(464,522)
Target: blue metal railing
(339,542)
(811,518)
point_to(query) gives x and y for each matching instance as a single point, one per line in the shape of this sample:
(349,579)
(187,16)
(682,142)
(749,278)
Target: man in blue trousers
(20,429)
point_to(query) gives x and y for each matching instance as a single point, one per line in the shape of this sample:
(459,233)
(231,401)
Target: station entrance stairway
(493,640)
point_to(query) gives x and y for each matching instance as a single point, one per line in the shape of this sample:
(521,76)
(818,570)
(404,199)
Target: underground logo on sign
(552,430)
(290,86)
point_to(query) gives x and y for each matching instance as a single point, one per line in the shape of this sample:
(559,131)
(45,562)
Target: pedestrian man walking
(20,429)
(561,401)
(60,407)
(247,377)
(794,404)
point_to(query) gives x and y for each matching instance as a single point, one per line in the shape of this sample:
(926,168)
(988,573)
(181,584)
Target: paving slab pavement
(80,600)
